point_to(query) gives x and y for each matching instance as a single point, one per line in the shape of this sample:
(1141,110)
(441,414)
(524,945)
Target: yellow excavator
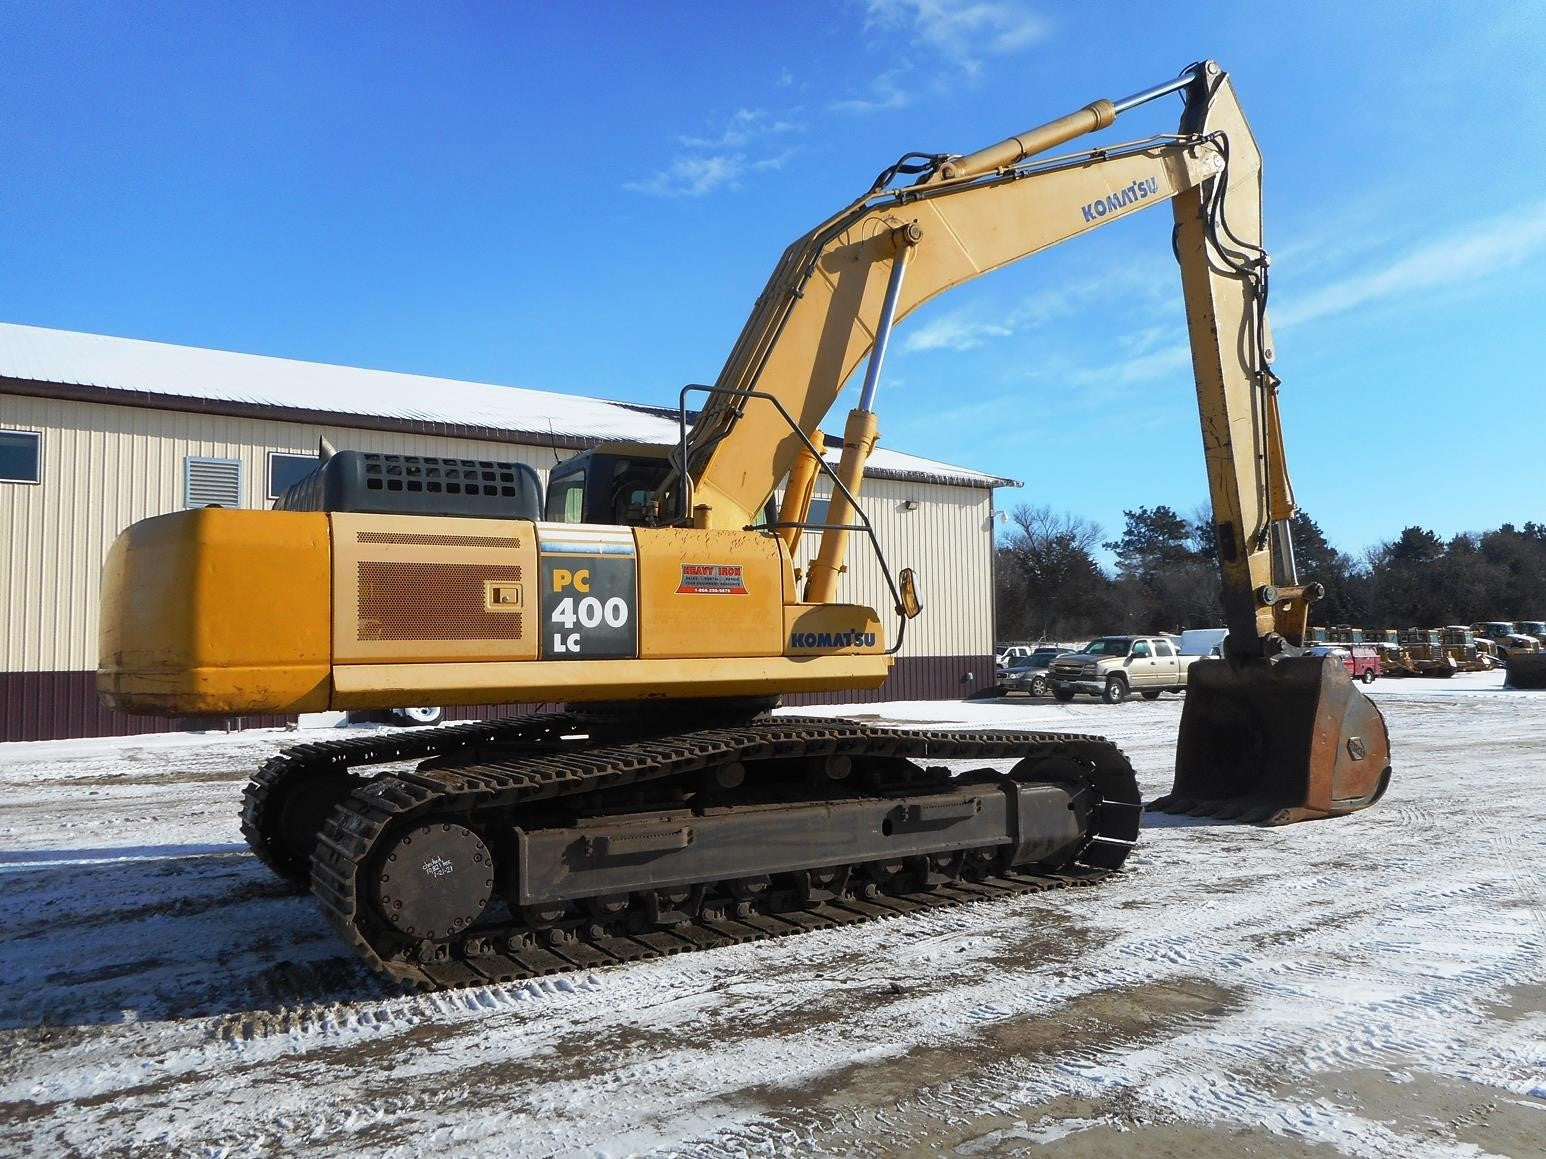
(653,591)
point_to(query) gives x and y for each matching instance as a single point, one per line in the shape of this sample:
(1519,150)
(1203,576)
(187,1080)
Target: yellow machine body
(221,611)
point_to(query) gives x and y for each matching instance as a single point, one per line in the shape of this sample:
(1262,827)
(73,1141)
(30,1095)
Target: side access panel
(409,589)
(710,593)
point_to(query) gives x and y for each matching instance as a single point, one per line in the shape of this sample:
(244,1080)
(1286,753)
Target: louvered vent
(212,482)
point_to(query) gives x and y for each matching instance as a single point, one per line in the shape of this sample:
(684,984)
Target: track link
(492,774)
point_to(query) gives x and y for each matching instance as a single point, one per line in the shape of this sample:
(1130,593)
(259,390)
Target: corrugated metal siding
(946,541)
(105,467)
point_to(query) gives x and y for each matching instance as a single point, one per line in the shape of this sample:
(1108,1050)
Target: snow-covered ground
(1375,984)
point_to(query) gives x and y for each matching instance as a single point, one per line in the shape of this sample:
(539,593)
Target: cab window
(1141,648)
(1163,648)
(566,499)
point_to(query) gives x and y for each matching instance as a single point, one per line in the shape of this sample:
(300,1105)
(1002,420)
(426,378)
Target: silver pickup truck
(1112,667)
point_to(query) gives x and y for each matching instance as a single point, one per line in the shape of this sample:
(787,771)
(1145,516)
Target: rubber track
(546,770)
(339,757)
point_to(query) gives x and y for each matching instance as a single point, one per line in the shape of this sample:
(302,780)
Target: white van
(1203,641)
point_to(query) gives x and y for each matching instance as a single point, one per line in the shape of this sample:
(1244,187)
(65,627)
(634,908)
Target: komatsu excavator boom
(665,809)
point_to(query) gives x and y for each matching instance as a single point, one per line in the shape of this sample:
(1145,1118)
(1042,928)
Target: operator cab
(615,483)
(619,484)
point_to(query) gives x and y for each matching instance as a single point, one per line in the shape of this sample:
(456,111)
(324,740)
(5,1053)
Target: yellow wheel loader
(664,808)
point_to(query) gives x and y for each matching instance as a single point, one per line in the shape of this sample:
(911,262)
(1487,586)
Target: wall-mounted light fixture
(910,505)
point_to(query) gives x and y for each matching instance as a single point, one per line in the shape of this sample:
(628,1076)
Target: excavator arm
(819,316)
(1265,734)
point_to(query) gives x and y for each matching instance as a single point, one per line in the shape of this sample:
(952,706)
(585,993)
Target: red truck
(1362,661)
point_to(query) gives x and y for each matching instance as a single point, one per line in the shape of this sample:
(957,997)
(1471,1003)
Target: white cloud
(951,36)
(1463,257)
(961,31)
(720,161)
(745,126)
(1135,284)
(1164,362)
(886,92)
(693,177)
(953,332)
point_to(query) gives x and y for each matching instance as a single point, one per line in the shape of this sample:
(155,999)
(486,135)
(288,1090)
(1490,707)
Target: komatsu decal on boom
(665,808)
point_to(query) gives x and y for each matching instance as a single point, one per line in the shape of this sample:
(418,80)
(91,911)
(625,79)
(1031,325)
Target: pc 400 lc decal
(589,600)
(712,579)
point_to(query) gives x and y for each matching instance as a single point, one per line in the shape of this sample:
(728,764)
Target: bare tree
(1059,586)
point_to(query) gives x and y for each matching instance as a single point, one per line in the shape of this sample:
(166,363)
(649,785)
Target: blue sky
(588,198)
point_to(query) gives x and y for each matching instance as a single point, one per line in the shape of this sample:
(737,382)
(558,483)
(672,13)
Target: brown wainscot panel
(62,705)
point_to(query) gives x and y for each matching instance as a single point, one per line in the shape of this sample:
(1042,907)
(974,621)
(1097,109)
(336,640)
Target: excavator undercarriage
(535,845)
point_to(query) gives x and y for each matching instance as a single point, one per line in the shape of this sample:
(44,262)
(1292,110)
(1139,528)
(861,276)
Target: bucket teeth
(1231,810)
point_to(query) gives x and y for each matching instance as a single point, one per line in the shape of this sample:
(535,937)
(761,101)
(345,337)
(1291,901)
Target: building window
(212,482)
(284,471)
(21,457)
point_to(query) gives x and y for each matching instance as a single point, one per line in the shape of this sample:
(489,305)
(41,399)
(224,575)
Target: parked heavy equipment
(664,808)
(1396,661)
(1461,645)
(1506,640)
(1424,647)
(1526,666)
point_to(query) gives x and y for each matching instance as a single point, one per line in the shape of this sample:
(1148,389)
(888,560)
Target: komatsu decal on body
(1121,199)
(832,640)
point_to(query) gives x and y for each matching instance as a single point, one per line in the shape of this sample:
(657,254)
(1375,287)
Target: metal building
(97,432)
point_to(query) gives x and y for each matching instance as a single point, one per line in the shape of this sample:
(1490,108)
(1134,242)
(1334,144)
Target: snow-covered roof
(151,371)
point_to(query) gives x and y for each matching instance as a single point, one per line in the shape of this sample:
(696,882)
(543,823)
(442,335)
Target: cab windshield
(1109,646)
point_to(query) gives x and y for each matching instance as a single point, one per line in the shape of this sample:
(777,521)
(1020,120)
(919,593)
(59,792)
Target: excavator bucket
(1526,670)
(1277,741)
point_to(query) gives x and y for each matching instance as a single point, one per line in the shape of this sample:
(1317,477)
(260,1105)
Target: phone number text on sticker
(712,579)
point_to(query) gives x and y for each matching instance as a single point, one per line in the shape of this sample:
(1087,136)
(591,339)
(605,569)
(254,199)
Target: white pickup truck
(1113,667)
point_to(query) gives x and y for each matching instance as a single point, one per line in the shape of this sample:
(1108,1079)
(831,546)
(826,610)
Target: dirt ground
(1367,986)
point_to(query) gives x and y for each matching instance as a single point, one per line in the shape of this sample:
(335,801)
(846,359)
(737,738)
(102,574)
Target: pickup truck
(1112,667)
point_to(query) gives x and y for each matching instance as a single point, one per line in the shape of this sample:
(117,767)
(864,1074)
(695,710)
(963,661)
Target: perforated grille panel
(440,476)
(400,600)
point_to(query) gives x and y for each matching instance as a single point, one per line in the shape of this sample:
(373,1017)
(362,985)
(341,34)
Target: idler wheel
(435,881)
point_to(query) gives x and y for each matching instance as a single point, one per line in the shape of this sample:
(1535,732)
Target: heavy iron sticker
(712,579)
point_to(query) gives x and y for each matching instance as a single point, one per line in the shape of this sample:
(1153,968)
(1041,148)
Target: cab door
(1140,665)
